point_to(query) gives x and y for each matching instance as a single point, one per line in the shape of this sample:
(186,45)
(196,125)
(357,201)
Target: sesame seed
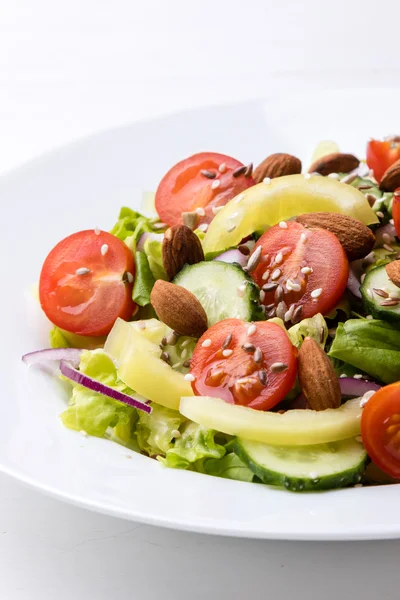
(303,238)
(380,214)
(307,176)
(388,248)
(357,376)
(227,352)
(343,375)
(104,249)
(231,228)
(278,295)
(333,175)
(278,367)
(262,296)
(369,317)
(83,433)
(316,293)
(239,198)
(215,184)
(176,365)
(366,397)
(97,230)
(281,309)
(265,275)
(176,433)
(349,178)
(200,211)
(129,276)
(252,329)
(82,271)
(159,225)
(206,343)
(278,258)
(244,380)
(269,287)
(222,168)
(276,274)
(267,180)
(227,341)
(313,475)
(306,270)
(283,225)
(203,227)
(216,209)
(189,377)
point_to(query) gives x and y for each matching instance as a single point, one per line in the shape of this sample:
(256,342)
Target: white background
(69,68)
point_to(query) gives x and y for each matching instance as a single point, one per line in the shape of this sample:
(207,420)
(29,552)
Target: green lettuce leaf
(155,432)
(131,225)
(229,466)
(153,251)
(195,443)
(315,327)
(144,280)
(65,339)
(94,413)
(370,345)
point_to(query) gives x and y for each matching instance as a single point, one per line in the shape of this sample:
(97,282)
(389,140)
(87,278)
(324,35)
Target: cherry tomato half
(203,181)
(250,364)
(86,283)
(381,154)
(380,429)
(396,211)
(303,268)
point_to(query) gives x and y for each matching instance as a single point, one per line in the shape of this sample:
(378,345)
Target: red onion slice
(91,384)
(233,256)
(348,386)
(73,355)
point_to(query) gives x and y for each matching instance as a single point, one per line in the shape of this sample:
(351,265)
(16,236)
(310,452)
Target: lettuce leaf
(65,339)
(155,432)
(194,444)
(315,327)
(153,251)
(372,346)
(130,226)
(94,413)
(144,280)
(229,466)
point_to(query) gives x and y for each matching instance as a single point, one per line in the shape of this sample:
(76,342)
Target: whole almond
(178,308)
(391,178)
(356,238)
(317,377)
(180,247)
(334,163)
(277,165)
(393,272)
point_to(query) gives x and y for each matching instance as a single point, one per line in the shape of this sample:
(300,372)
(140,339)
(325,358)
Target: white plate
(84,185)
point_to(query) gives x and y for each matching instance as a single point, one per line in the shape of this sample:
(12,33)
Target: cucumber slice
(375,285)
(223,289)
(293,428)
(305,468)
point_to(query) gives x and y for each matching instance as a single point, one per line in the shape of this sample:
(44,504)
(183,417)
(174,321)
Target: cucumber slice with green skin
(375,285)
(305,468)
(223,289)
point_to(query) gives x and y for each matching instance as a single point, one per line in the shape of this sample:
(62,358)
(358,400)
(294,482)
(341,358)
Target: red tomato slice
(396,211)
(186,187)
(300,267)
(87,302)
(250,364)
(382,154)
(380,429)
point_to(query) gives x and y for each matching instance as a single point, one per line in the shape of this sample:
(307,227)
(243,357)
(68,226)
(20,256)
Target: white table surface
(71,68)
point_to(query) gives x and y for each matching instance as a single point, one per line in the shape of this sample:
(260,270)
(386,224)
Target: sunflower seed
(239,171)
(254,259)
(390,302)
(208,174)
(186,364)
(271,314)
(349,178)
(296,318)
(278,367)
(263,377)
(381,293)
(248,347)
(249,170)
(258,355)
(172,338)
(227,341)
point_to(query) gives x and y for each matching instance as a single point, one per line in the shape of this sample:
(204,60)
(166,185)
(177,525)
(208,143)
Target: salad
(250,328)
